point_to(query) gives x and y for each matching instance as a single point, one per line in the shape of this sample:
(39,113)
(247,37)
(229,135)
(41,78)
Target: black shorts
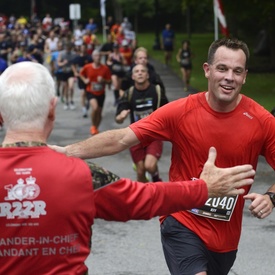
(118,70)
(118,74)
(81,84)
(66,76)
(58,76)
(99,98)
(187,67)
(186,254)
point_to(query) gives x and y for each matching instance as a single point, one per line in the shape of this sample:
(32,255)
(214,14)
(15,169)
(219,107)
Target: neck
(142,86)
(96,65)
(28,137)
(222,106)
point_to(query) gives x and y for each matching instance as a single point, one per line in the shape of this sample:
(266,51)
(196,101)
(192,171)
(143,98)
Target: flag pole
(216,31)
(103,28)
(103,15)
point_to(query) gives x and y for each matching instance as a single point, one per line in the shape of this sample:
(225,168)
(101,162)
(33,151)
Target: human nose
(229,76)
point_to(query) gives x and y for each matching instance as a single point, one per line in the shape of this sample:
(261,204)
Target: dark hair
(230,43)
(186,41)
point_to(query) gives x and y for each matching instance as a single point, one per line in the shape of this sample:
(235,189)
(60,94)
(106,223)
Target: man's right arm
(103,144)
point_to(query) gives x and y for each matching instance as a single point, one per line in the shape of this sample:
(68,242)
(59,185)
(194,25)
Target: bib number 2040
(225,203)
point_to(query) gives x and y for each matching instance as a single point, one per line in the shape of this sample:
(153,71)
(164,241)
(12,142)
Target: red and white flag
(219,13)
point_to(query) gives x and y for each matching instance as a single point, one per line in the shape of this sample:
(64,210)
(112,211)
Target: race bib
(141,114)
(117,68)
(184,62)
(67,68)
(220,208)
(96,87)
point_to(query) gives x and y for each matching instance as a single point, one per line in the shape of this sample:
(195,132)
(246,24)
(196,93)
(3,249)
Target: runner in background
(95,76)
(167,43)
(184,57)
(117,63)
(139,101)
(82,58)
(65,62)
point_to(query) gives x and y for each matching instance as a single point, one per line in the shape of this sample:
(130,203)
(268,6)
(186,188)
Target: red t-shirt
(46,220)
(89,71)
(193,127)
(46,212)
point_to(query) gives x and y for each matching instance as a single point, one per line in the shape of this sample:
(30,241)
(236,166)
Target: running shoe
(147,175)
(72,107)
(93,130)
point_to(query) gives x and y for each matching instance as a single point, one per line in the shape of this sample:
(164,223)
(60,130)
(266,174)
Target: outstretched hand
(225,181)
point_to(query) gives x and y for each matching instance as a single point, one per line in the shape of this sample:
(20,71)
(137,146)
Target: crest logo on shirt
(29,190)
(19,201)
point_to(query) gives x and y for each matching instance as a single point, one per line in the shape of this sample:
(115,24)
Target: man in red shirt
(204,240)
(95,75)
(47,201)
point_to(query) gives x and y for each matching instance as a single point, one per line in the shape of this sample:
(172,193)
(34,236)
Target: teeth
(227,87)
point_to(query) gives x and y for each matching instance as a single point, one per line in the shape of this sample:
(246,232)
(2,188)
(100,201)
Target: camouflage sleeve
(101,176)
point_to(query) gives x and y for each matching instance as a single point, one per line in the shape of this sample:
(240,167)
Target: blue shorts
(186,254)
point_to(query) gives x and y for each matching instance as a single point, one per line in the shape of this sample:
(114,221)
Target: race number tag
(220,208)
(141,114)
(96,87)
(185,61)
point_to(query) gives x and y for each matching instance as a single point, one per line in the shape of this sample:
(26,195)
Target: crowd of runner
(43,40)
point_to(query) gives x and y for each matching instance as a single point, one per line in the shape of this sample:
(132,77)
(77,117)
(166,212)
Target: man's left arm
(261,204)
(126,200)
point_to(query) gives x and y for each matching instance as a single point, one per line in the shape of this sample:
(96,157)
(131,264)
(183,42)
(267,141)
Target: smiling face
(226,75)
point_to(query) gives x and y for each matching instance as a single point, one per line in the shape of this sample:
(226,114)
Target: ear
(206,69)
(53,103)
(1,120)
(245,77)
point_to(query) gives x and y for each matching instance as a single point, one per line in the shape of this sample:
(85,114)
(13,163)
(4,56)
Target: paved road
(134,248)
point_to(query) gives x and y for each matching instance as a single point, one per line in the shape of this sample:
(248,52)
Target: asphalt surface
(134,247)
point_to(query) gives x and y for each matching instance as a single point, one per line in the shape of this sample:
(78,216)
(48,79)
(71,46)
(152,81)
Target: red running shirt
(193,127)
(94,87)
